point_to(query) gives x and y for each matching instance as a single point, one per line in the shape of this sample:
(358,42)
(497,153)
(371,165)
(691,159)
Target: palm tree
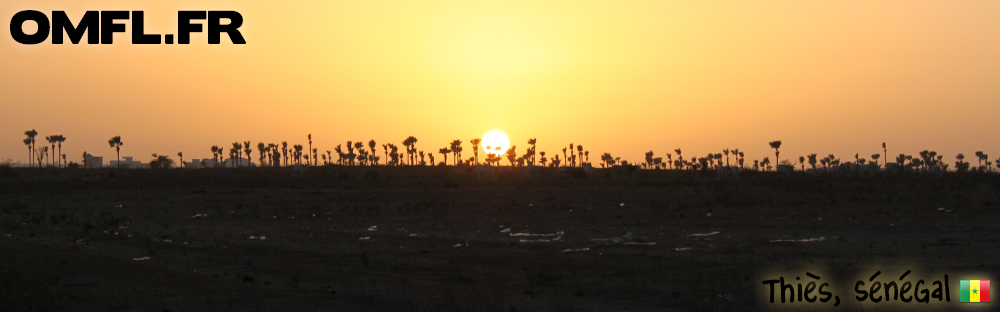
(52,140)
(180,155)
(678,151)
(980,156)
(512,155)
(215,153)
(572,155)
(372,145)
(410,143)
(812,160)
(116,143)
(802,161)
(310,137)
(27,141)
(607,160)
(248,149)
(31,148)
(776,145)
(298,153)
(444,151)
(564,152)
(59,139)
(886,151)
(284,151)
(261,149)
(456,148)
(875,157)
(579,149)
(531,150)
(475,148)
(670,160)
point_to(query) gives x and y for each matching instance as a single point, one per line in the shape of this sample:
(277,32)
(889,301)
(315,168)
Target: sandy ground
(444,241)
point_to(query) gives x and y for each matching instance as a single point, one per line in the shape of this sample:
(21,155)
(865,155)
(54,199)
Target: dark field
(436,239)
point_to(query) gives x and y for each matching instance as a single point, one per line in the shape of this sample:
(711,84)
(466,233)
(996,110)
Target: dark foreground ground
(437,239)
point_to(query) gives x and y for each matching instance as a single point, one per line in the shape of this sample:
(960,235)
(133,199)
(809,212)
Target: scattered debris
(624,238)
(575,250)
(118,206)
(804,240)
(641,244)
(141,259)
(703,234)
(558,238)
(458,245)
(682,248)
(373,228)
(709,214)
(78,241)
(200,215)
(541,235)
(365,238)
(260,237)
(621,205)
(507,230)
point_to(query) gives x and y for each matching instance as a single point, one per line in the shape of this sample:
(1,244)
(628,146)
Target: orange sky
(615,76)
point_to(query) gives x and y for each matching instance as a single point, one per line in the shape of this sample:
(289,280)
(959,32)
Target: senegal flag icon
(975,290)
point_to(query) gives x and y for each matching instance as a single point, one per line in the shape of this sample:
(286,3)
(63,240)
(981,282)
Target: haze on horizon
(625,77)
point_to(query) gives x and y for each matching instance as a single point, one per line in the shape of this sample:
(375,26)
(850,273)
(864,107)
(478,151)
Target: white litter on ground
(365,238)
(373,228)
(575,250)
(682,248)
(458,245)
(539,235)
(624,238)
(200,215)
(641,244)
(507,230)
(804,240)
(558,238)
(260,238)
(141,259)
(703,234)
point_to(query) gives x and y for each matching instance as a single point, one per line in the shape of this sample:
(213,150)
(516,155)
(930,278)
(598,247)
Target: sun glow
(495,142)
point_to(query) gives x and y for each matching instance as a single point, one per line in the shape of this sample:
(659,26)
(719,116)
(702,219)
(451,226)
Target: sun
(495,142)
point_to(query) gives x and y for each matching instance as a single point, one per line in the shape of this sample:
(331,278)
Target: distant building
(201,163)
(127,162)
(241,162)
(92,162)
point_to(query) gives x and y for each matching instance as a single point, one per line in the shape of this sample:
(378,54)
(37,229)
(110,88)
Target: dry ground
(437,239)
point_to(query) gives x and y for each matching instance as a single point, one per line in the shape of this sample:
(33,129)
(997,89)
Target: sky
(623,77)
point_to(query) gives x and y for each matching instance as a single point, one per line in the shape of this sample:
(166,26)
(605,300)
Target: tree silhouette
(670,161)
(31,148)
(980,156)
(385,148)
(775,145)
(886,151)
(475,148)
(456,148)
(262,150)
(284,151)
(579,153)
(875,158)
(31,162)
(374,159)
(160,162)
(215,153)
(410,143)
(812,160)
(247,149)
(544,160)
(444,151)
(44,151)
(531,151)
(649,159)
(511,155)
(297,153)
(586,155)
(52,141)
(59,139)
(422,162)
(116,143)
(802,160)
(310,137)
(180,155)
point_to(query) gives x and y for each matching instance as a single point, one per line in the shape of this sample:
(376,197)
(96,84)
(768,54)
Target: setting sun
(495,142)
